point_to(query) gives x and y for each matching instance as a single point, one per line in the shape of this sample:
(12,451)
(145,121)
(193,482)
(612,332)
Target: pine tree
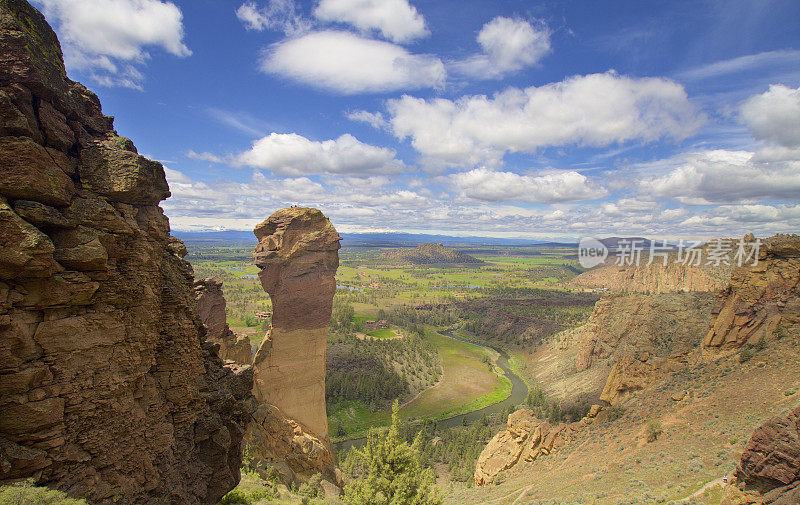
(393,472)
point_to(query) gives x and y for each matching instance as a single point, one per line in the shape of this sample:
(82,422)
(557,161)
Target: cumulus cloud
(205,156)
(487,185)
(346,63)
(508,45)
(107,37)
(395,20)
(289,154)
(774,116)
(275,15)
(722,176)
(597,110)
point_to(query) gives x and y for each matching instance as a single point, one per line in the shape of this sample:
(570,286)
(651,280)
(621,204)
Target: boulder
(211,307)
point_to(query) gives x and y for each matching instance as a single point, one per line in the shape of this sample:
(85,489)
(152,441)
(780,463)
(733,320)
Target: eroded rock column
(297,253)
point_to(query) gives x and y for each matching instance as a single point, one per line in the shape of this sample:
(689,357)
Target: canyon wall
(297,254)
(211,307)
(761,300)
(654,278)
(108,389)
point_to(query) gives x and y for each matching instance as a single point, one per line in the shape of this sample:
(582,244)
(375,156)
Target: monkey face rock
(297,254)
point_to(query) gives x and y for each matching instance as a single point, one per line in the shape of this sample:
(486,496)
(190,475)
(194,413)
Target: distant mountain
(430,254)
(389,239)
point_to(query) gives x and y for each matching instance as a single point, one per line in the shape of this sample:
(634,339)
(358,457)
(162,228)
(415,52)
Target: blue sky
(519,119)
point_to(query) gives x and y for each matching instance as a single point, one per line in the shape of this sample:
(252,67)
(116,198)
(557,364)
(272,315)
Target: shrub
(26,493)
(615,412)
(761,344)
(653,430)
(249,497)
(394,474)
(746,355)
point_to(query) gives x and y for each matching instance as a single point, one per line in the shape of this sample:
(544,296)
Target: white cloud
(98,34)
(487,185)
(597,110)
(395,20)
(374,119)
(276,15)
(721,176)
(294,155)
(205,156)
(774,116)
(508,45)
(346,63)
(741,64)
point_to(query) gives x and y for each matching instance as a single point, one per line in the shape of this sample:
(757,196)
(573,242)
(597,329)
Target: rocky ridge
(108,388)
(211,307)
(297,254)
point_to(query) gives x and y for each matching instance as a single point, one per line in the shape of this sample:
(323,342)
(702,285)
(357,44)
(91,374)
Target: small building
(369,325)
(263,316)
(383,323)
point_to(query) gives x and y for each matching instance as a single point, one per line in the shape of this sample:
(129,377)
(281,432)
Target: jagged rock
(107,388)
(769,471)
(211,306)
(297,253)
(524,439)
(760,297)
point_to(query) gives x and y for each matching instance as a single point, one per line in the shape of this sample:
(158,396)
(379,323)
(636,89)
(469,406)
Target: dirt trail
(708,485)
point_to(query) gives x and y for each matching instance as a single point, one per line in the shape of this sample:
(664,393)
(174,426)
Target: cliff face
(297,253)
(655,278)
(759,298)
(107,388)
(211,307)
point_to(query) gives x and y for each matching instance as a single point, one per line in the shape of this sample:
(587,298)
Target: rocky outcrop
(524,439)
(769,470)
(654,278)
(762,300)
(635,371)
(108,390)
(297,254)
(660,325)
(211,307)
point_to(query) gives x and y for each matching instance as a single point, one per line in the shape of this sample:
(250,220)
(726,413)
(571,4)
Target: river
(519,391)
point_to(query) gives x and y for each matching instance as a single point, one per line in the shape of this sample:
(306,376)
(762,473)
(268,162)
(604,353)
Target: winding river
(519,391)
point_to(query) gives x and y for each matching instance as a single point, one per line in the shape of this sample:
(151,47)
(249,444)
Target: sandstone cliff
(211,307)
(107,388)
(297,253)
(762,300)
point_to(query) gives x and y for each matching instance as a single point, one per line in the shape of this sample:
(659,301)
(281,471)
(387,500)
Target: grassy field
(383,333)
(468,383)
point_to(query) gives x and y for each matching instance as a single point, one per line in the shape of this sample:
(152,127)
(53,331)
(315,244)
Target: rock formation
(297,254)
(760,298)
(108,390)
(211,307)
(654,278)
(769,470)
(524,439)
(661,325)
